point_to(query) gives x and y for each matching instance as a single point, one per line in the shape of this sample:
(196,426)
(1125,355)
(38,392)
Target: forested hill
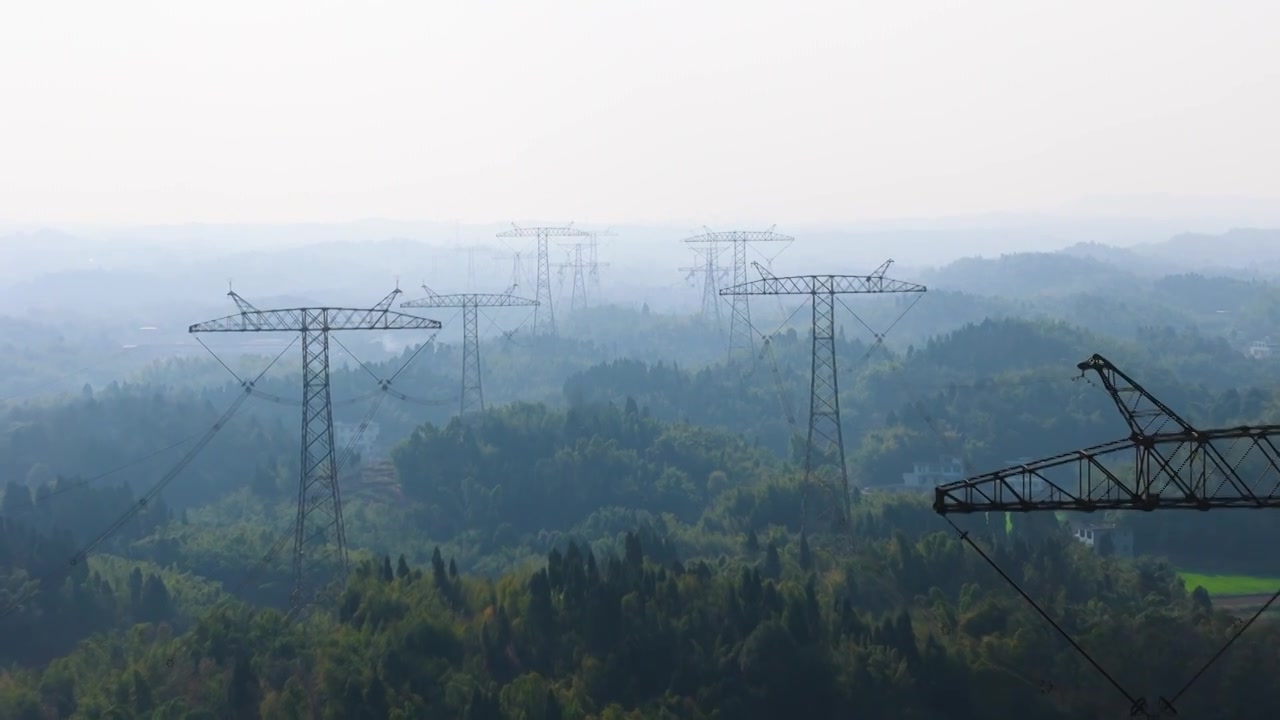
(1117,291)
(968,381)
(529,561)
(912,624)
(1102,297)
(951,394)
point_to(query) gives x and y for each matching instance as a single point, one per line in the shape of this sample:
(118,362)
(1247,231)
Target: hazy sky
(644,110)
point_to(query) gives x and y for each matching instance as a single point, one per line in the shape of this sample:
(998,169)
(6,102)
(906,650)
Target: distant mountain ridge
(1032,274)
(1241,252)
(1140,263)
(1241,248)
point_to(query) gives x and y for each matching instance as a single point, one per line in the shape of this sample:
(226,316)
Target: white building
(1261,349)
(947,469)
(344,433)
(1092,533)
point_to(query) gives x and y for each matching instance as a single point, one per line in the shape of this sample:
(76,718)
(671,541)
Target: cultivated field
(1237,594)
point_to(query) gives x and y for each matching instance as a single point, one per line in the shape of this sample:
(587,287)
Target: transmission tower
(741,338)
(581,265)
(824,386)
(712,274)
(593,277)
(472,390)
(544,320)
(320,544)
(512,257)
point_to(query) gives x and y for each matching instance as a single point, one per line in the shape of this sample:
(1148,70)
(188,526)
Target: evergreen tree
(772,563)
(634,554)
(1104,545)
(402,567)
(135,588)
(156,604)
(139,693)
(242,690)
(482,706)
(438,572)
(551,709)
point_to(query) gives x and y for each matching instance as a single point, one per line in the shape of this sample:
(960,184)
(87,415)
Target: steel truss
(1182,468)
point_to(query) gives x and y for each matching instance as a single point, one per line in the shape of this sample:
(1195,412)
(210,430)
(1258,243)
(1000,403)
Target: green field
(1228,585)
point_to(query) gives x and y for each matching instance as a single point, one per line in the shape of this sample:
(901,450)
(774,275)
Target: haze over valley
(591,361)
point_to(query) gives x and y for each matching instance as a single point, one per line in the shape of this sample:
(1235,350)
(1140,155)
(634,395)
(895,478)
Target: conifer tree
(772,563)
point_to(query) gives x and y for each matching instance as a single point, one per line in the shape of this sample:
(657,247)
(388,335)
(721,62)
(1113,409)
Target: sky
(708,112)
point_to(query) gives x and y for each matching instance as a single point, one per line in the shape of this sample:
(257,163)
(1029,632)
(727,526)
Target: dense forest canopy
(624,531)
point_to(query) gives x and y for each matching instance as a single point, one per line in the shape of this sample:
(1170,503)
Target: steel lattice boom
(741,339)
(824,387)
(1164,464)
(472,398)
(544,320)
(320,539)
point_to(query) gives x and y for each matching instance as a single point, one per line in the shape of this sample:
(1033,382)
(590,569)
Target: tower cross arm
(752,236)
(300,319)
(823,284)
(1195,470)
(543,232)
(1153,468)
(464,299)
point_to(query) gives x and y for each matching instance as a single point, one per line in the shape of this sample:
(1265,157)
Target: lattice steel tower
(580,263)
(594,263)
(544,320)
(712,273)
(824,385)
(472,399)
(741,339)
(320,543)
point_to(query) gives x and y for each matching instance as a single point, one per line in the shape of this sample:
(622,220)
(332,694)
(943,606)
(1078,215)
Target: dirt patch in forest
(1242,604)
